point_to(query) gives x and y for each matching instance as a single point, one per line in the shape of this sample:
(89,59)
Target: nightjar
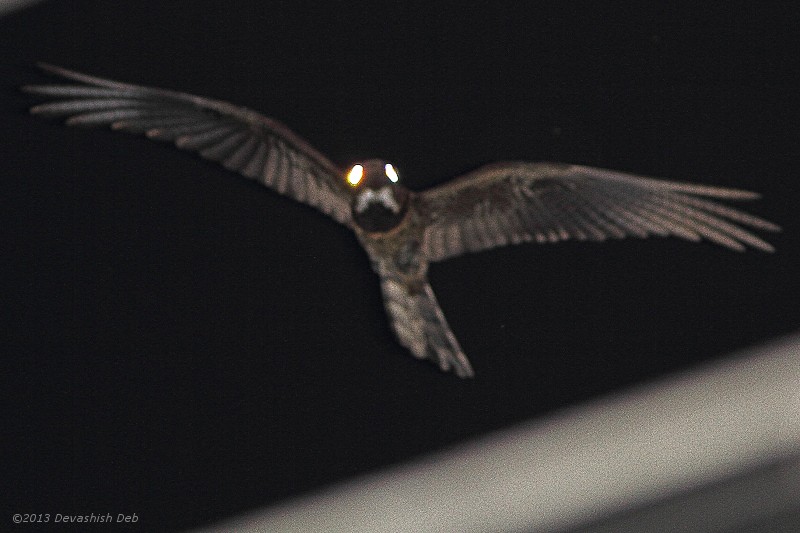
(403,231)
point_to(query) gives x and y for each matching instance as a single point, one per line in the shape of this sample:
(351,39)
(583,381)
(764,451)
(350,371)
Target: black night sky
(184,344)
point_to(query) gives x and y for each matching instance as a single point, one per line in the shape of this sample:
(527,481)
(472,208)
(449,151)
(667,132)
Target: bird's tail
(419,323)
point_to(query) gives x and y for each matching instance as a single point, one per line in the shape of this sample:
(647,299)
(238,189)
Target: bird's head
(380,202)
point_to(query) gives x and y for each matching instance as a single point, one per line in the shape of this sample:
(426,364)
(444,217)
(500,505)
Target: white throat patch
(382,196)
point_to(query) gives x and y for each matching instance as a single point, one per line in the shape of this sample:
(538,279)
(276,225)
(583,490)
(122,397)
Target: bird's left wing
(240,139)
(509,203)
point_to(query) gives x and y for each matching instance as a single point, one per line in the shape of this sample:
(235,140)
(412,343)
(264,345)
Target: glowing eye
(391,173)
(355,175)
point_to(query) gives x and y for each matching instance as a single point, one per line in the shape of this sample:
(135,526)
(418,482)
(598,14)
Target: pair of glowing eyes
(357,172)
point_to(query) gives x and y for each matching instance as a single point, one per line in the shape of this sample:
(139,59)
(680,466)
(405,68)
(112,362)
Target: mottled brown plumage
(401,230)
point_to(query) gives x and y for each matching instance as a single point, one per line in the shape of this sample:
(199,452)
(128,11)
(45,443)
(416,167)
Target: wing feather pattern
(516,202)
(240,139)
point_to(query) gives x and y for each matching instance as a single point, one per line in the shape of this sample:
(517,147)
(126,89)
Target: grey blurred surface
(7,6)
(715,449)
(765,499)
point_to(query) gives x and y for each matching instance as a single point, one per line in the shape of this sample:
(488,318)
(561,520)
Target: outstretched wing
(419,324)
(509,203)
(240,139)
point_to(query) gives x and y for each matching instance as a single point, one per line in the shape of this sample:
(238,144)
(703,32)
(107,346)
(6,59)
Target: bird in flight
(403,231)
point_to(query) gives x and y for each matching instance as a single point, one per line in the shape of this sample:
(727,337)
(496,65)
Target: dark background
(184,344)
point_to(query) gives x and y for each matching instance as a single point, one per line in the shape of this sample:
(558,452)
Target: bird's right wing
(242,140)
(509,203)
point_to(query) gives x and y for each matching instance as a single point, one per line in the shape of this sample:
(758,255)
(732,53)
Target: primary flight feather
(402,230)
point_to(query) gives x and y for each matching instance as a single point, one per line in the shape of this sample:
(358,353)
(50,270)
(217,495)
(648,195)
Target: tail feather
(420,326)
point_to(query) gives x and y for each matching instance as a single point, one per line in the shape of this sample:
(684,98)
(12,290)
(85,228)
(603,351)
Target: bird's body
(404,231)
